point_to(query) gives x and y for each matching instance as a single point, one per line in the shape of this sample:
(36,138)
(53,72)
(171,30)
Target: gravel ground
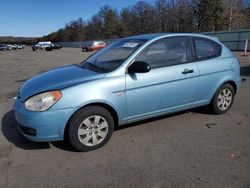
(187,149)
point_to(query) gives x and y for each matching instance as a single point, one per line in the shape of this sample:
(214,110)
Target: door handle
(187,71)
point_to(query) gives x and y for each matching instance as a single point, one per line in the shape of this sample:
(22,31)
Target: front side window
(166,52)
(206,49)
(111,57)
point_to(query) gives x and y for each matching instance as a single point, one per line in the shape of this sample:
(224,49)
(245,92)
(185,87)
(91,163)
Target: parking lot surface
(188,149)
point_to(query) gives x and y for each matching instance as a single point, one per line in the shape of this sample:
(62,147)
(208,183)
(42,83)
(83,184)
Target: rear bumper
(42,126)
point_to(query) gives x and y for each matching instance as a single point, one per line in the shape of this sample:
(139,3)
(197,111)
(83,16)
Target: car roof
(160,35)
(147,36)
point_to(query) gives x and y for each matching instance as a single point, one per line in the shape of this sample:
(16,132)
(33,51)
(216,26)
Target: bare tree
(158,16)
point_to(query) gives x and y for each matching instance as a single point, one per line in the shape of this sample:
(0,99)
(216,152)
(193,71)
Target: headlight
(42,101)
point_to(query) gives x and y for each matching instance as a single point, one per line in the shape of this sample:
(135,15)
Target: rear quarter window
(206,49)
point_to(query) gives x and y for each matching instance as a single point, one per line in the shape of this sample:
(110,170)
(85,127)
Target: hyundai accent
(132,79)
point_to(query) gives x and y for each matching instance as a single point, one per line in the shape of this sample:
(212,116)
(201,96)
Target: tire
(84,134)
(223,99)
(84,49)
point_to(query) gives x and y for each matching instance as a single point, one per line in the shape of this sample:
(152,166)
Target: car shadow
(245,71)
(12,134)
(64,145)
(134,124)
(199,110)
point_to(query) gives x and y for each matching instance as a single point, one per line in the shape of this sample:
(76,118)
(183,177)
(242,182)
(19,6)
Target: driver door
(171,83)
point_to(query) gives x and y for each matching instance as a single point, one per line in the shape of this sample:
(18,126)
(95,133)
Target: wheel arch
(231,82)
(100,104)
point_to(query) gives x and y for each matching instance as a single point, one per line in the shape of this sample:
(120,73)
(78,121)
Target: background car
(3,47)
(43,45)
(53,46)
(94,46)
(19,46)
(34,48)
(57,46)
(11,47)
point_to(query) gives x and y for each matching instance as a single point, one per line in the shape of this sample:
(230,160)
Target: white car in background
(11,47)
(19,46)
(43,45)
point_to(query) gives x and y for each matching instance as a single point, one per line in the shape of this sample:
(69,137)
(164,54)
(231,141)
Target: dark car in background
(3,47)
(6,47)
(53,46)
(57,46)
(93,46)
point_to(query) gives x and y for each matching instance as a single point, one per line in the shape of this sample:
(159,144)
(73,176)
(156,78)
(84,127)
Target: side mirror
(139,67)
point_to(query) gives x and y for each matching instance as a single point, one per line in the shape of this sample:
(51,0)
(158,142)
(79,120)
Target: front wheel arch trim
(104,105)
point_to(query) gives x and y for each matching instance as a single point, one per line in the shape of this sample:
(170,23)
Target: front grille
(28,131)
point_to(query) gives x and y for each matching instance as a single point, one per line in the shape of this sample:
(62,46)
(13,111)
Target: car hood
(58,78)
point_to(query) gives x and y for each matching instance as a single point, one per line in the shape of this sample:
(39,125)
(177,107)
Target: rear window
(206,49)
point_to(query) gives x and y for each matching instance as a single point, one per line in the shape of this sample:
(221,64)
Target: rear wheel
(223,99)
(90,128)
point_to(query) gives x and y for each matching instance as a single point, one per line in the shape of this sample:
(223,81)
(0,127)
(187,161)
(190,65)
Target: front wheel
(90,128)
(223,99)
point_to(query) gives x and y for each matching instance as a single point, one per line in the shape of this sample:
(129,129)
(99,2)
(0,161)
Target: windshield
(111,57)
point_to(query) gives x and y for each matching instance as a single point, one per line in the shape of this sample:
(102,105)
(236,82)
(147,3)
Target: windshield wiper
(92,66)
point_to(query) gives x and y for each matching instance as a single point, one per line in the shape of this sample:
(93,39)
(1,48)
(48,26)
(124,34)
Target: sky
(36,18)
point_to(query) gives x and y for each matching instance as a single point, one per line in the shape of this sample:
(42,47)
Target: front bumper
(48,125)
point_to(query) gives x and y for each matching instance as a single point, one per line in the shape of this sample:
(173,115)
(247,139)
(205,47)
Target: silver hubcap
(224,99)
(93,130)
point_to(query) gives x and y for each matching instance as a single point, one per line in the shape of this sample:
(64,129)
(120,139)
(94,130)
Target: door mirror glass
(139,67)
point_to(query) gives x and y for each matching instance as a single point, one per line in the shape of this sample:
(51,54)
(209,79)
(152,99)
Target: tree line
(158,16)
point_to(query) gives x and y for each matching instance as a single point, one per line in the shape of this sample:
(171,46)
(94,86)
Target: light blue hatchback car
(132,79)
